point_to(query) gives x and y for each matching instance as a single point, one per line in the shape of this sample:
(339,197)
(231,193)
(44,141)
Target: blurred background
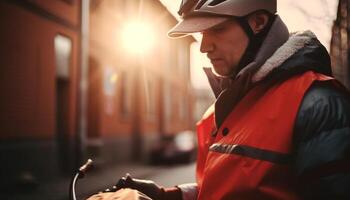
(100,79)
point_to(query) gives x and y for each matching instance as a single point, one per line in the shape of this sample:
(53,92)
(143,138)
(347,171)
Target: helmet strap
(255,40)
(246,27)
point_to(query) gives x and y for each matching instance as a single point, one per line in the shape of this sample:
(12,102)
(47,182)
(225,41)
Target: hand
(147,187)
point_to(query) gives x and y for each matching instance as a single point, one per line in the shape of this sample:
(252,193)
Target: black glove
(149,188)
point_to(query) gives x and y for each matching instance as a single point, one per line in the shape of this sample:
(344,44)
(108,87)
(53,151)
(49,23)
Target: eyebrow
(222,23)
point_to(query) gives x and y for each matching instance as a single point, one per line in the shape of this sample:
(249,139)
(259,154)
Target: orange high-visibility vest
(248,156)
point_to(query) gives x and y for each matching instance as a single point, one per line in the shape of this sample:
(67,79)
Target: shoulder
(322,141)
(323,122)
(324,107)
(324,91)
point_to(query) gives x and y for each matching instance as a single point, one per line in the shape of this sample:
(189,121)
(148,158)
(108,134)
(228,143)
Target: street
(100,179)
(171,176)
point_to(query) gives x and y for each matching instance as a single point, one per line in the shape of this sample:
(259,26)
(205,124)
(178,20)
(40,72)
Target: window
(167,100)
(109,81)
(150,97)
(125,94)
(63,53)
(110,78)
(183,106)
(183,59)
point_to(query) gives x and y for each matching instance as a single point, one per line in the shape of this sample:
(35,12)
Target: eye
(218,29)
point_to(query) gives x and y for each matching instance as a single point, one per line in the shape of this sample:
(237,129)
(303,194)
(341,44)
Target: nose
(207,44)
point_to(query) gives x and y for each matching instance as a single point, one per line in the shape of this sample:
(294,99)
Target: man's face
(225,45)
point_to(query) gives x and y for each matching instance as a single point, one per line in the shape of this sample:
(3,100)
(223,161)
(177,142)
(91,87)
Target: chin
(224,70)
(222,73)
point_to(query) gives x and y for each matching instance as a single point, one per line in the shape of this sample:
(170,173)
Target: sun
(138,37)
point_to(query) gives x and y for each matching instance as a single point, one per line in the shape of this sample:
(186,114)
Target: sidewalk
(96,180)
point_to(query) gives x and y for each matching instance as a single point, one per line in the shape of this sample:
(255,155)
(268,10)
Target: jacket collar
(277,48)
(296,42)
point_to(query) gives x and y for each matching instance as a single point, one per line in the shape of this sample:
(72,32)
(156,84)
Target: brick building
(135,99)
(70,90)
(40,48)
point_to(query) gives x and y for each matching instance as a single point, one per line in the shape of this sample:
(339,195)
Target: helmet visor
(195,24)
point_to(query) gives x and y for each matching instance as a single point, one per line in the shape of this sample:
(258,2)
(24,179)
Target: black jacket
(322,143)
(322,128)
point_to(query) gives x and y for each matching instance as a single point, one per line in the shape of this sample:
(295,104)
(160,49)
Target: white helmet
(199,15)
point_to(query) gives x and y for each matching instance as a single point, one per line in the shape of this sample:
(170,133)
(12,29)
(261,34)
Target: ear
(257,21)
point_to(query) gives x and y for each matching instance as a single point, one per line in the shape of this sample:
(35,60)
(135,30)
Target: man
(280,126)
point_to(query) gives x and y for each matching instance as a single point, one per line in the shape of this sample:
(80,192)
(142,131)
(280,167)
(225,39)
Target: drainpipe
(83,84)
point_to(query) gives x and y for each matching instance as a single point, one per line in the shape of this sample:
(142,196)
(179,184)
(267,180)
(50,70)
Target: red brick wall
(156,68)
(68,10)
(27,74)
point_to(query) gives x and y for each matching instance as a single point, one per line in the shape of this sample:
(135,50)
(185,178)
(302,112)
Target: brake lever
(79,175)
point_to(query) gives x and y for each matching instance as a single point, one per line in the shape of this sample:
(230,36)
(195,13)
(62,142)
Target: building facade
(135,98)
(40,45)
(132,102)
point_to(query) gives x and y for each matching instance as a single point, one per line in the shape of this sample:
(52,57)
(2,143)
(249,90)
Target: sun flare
(138,37)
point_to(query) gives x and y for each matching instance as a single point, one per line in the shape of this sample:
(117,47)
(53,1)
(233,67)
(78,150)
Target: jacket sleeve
(322,143)
(189,191)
